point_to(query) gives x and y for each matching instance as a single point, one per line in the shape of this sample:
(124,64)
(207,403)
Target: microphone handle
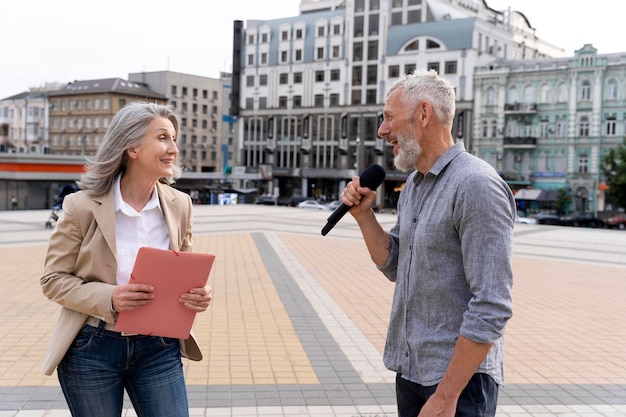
(335,216)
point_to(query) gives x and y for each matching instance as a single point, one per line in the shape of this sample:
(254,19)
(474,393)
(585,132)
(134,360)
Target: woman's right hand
(131,296)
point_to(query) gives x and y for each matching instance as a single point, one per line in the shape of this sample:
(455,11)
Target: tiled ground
(298,321)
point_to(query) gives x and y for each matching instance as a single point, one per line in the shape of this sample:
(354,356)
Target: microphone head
(372,176)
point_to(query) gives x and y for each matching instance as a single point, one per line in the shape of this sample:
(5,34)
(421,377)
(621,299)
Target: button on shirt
(450,257)
(134,230)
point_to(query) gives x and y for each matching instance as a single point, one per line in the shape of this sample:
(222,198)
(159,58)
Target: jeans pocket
(83,338)
(167,342)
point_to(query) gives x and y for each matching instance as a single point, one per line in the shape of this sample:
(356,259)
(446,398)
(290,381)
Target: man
(449,254)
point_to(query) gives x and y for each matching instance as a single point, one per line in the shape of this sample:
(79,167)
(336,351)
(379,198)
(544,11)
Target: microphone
(371,178)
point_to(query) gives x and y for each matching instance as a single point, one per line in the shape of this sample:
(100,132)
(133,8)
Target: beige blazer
(83,246)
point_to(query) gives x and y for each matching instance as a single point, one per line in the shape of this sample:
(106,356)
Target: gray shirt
(451,260)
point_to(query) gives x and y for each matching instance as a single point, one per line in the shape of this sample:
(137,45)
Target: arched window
(490,96)
(513,96)
(413,46)
(611,90)
(545,94)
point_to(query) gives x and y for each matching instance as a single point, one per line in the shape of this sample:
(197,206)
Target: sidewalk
(292,333)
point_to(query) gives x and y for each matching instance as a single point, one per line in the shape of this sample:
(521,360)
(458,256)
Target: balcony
(519,142)
(520,108)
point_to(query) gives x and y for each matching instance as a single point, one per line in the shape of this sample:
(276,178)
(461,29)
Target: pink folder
(172,273)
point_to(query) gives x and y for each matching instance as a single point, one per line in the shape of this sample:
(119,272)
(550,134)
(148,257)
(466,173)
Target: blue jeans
(100,364)
(478,399)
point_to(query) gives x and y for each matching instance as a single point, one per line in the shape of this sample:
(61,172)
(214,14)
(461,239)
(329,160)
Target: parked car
(297,199)
(334,204)
(313,204)
(267,200)
(581,220)
(617,221)
(522,218)
(548,218)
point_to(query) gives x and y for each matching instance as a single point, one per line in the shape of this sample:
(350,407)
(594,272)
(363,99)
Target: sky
(47,41)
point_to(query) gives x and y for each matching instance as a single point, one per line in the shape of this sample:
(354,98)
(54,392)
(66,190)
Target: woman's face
(155,157)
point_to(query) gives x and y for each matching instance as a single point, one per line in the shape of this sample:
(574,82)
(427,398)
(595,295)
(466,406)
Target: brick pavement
(290,334)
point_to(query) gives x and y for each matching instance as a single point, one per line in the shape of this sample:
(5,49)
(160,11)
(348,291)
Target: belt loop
(102,324)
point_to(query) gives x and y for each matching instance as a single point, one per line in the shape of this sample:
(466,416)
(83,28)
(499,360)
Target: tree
(562,201)
(614,169)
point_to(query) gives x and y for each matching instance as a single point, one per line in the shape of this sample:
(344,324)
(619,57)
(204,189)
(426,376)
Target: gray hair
(422,85)
(127,130)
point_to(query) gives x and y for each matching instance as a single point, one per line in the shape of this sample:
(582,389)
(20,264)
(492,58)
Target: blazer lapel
(171,213)
(104,215)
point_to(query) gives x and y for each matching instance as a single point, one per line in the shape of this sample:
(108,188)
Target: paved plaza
(298,322)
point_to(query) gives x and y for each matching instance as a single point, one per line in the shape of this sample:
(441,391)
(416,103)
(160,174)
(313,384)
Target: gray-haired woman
(125,202)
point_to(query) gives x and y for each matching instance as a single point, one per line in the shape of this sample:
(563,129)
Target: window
(431,44)
(264,38)
(173,89)
(374,4)
(356,96)
(334,99)
(611,126)
(335,75)
(298,57)
(297,78)
(320,31)
(319,76)
(357,51)
(284,35)
(250,81)
(282,102)
(433,66)
(263,79)
(413,46)
(264,58)
(409,68)
(414,16)
(373,24)
(450,67)
(358,26)
(396,18)
(585,91)
(611,90)
(250,39)
(299,33)
(359,5)
(372,74)
(320,53)
(283,78)
(583,161)
(319,100)
(394,71)
(491,96)
(297,102)
(262,102)
(283,56)
(250,59)
(337,29)
(336,51)
(583,127)
(372,50)
(357,76)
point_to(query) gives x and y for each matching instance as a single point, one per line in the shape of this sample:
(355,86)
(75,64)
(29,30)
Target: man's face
(400,130)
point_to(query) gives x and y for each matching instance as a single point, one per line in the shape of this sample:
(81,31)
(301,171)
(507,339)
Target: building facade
(313,86)
(546,124)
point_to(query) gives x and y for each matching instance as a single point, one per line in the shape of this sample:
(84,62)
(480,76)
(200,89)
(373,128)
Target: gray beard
(410,151)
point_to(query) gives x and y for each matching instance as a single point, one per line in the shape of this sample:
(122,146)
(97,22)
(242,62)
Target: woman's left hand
(197,299)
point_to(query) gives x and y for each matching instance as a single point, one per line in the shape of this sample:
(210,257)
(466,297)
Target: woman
(125,202)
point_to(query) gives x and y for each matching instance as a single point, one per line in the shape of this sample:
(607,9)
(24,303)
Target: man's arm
(466,358)
(360,199)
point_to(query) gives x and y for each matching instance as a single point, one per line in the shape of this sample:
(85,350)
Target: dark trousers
(478,399)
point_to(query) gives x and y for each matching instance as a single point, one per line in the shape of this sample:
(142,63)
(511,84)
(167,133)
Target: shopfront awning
(527,194)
